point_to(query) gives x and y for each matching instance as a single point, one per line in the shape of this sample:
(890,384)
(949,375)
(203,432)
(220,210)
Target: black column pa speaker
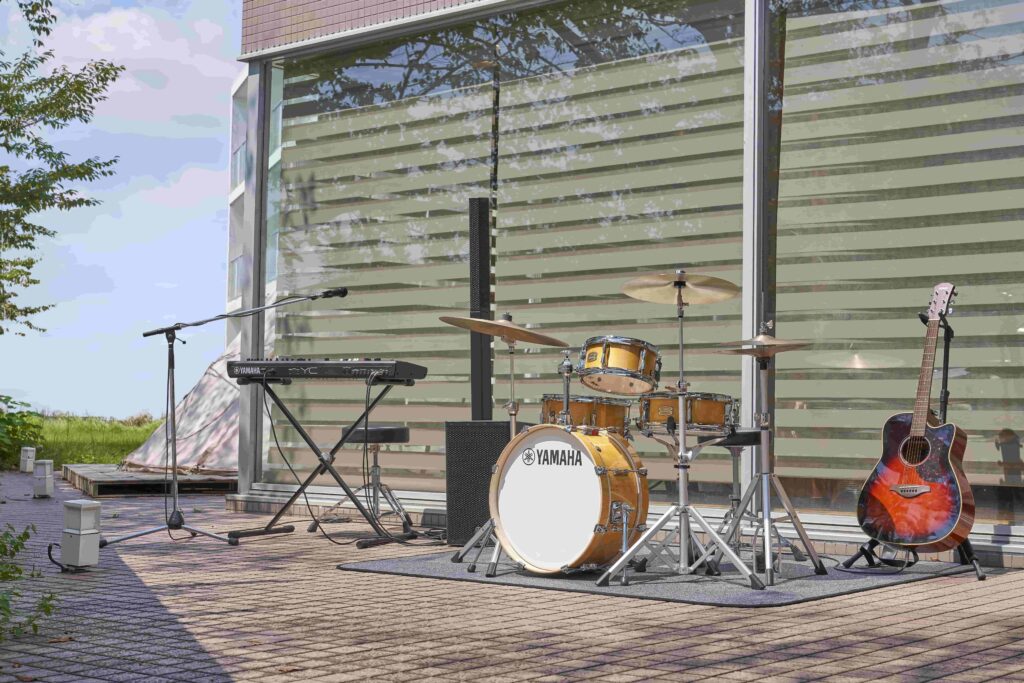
(471,450)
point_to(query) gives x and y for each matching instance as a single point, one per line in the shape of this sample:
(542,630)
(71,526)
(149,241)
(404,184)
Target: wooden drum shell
(619,365)
(592,411)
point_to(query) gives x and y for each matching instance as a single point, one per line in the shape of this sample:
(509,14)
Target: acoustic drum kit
(571,494)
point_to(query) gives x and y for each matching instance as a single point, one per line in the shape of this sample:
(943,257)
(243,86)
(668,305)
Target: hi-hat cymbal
(661,288)
(762,346)
(506,329)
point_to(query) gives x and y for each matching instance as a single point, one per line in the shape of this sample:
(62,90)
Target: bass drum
(556,496)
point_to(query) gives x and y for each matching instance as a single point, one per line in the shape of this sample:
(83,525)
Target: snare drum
(619,365)
(711,414)
(593,411)
(557,498)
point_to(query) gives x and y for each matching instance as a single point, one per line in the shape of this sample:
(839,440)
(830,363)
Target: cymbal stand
(763,482)
(683,513)
(512,406)
(565,369)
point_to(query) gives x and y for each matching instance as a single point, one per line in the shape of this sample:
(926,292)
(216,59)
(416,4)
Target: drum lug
(642,471)
(640,527)
(600,471)
(600,529)
(494,468)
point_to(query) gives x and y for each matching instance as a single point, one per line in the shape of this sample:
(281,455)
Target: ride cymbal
(762,346)
(661,288)
(504,328)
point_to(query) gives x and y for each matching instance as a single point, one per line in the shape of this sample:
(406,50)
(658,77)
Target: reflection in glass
(901,168)
(621,153)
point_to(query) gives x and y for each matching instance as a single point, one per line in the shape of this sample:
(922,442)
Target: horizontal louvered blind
(374,198)
(902,166)
(609,172)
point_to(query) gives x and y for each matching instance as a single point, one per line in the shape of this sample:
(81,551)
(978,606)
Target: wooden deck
(107,480)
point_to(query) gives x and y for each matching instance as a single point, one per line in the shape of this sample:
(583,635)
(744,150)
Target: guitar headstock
(942,298)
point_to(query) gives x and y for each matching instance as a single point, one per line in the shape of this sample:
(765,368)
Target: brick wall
(276,23)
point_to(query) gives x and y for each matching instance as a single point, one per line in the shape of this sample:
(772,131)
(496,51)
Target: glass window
(619,129)
(369,178)
(621,154)
(236,277)
(900,168)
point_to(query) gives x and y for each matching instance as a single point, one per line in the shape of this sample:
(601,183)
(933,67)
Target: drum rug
(796,583)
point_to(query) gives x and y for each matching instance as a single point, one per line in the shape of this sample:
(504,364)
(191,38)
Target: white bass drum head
(549,498)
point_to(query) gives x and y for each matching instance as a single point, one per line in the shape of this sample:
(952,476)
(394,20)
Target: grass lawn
(74,439)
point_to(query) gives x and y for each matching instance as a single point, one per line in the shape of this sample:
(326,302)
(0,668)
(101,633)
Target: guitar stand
(964,551)
(326,466)
(867,551)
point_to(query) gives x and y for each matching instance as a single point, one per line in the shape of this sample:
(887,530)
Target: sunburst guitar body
(918,496)
(928,505)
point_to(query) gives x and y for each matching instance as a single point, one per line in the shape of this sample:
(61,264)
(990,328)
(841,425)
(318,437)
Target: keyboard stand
(326,465)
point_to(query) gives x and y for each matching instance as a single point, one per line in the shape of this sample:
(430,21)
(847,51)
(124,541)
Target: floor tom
(706,414)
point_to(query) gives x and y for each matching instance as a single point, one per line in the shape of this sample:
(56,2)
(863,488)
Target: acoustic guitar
(917,496)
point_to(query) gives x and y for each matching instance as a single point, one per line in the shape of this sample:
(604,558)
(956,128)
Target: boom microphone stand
(176,520)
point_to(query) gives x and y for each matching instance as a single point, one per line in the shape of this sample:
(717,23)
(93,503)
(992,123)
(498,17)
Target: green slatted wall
(902,166)
(375,198)
(637,168)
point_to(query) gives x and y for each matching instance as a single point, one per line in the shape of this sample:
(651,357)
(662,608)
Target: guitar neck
(924,382)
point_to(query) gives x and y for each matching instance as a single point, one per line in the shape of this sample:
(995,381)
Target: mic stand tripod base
(175,522)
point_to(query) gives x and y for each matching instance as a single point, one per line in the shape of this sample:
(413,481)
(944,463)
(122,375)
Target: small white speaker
(82,516)
(42,472)
(80,550)
(28,459)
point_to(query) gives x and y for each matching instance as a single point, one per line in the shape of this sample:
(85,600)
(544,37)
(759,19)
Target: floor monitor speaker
(471,450)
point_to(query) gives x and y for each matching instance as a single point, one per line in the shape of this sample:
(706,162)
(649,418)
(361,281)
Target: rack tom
(593,411)
(619,365)
(711,414)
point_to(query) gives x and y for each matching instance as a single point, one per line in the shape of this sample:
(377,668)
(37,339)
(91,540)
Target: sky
(154,251)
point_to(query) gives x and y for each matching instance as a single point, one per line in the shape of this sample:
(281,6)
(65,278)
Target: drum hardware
(509,332)
(764,348)
(620,515)
(681,289)
(565,369)
(483,539)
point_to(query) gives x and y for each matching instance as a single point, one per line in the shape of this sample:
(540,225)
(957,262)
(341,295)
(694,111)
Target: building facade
(615,138)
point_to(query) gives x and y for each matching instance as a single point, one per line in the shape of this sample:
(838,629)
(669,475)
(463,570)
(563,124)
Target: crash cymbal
(762,346)
(503,328)
(661,288)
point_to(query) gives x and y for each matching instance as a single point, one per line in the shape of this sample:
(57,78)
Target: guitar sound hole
(915,450)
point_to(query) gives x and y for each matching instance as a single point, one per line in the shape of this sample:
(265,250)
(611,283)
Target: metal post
(755,278)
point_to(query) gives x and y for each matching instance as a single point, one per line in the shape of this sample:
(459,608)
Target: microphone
(337,291)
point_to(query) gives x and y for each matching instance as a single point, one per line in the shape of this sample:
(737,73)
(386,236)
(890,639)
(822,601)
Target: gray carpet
(797,582)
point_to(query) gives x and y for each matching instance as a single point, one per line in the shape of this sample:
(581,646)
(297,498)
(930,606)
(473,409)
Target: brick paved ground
(277,610)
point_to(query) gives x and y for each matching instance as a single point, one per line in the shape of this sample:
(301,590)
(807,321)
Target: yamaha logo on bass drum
(544,456)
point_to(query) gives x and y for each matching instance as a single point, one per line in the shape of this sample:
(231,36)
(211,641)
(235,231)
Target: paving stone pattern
(275,609)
